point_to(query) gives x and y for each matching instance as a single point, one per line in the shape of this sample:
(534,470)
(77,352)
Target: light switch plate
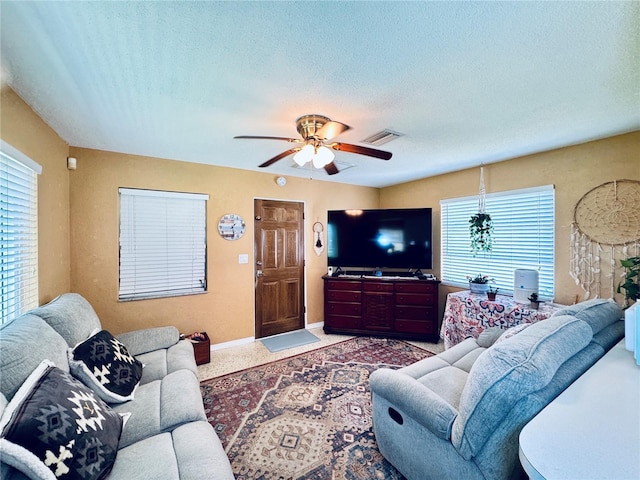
(243,258)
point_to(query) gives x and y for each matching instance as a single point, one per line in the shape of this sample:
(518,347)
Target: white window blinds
(523,237)
(163,244)
(18,232)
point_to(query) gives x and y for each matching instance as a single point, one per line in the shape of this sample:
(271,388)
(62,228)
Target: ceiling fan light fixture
(316,131)
(304,155)
(323,157)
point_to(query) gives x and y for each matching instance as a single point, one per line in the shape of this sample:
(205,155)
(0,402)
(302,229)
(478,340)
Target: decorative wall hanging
(605,230)
(480,224)
(231,226)
(318,231)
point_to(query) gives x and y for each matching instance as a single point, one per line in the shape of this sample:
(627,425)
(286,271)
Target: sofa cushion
(149,339)
(462,356)
(31,334)
(597,312)
(189,452)
(511,370)
(447,383)
(103,364)
(159,363)
(55,427)
(71,316)
(161,406)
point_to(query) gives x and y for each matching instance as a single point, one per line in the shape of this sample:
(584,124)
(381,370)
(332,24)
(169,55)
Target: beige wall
(226,311)
(573,170)
(84,257)
(24,130)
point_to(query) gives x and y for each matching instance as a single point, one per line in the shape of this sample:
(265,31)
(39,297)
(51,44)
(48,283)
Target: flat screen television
(384,238)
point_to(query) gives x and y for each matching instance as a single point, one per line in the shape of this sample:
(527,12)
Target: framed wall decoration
(231,226)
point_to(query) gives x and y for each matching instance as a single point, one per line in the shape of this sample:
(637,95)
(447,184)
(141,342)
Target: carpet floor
(306,416)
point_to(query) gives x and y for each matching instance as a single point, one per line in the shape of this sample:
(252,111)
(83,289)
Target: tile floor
(232,359)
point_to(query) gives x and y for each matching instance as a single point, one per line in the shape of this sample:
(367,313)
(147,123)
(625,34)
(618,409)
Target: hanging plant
(480,230)
(480,225)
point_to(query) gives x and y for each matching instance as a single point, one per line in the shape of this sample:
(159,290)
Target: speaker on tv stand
(525,282)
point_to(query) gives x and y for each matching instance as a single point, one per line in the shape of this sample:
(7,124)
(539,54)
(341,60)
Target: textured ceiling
(466,83)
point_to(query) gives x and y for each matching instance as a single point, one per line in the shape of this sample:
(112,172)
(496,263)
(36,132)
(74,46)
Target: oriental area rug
(306,416)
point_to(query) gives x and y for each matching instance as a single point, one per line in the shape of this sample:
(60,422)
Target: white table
(592,429)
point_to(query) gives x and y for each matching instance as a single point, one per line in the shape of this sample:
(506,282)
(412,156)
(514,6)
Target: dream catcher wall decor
(318,233)
(605,230)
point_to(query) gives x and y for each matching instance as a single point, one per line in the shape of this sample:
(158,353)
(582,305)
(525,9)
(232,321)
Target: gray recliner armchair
(458,415)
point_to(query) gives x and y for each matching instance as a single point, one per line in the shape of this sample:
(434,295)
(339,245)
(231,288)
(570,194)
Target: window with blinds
(523,237)
(163,244)
(18,232)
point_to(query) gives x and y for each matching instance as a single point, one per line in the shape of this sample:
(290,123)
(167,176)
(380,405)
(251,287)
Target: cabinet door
(377,311)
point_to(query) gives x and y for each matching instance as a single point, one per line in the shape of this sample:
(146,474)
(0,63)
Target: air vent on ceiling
(342,166)
(382,137)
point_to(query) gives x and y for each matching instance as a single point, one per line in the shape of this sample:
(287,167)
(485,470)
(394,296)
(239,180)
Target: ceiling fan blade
(332,129)
(280,156)
(371,152)
(331,168)
(257,137)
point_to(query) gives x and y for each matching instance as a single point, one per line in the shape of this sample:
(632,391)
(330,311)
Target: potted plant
(480,230)
(479,283)
(631,284)
(492,292)
(534,301)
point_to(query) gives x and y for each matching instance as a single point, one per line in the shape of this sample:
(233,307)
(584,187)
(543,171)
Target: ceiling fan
(316,132)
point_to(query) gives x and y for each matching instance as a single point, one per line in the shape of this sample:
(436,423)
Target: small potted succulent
(534,301)
(479,283)
(492,292)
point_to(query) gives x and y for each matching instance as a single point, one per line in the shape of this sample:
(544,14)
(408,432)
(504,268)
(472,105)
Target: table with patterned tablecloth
(468,314)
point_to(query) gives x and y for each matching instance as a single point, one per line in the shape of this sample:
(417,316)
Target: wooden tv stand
(394,307)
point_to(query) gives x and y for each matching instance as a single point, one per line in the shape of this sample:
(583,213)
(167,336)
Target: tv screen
(390,238)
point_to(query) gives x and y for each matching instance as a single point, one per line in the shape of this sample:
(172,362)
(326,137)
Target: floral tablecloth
(468,314)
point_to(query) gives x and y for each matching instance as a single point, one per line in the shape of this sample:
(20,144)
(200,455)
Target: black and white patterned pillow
(56,427)
(105,365)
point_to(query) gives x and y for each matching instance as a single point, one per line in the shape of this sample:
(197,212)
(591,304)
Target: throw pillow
(55,427)
(104,364)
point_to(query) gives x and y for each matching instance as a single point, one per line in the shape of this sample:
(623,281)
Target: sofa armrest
(149,339)
(414,399)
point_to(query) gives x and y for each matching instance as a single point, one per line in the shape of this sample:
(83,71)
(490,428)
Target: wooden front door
(279,247)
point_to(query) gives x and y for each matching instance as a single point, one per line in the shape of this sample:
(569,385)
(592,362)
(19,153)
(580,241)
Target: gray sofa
(166,434)
(459,414)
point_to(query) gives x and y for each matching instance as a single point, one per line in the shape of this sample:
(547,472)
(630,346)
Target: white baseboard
(232,343)
(315,325)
